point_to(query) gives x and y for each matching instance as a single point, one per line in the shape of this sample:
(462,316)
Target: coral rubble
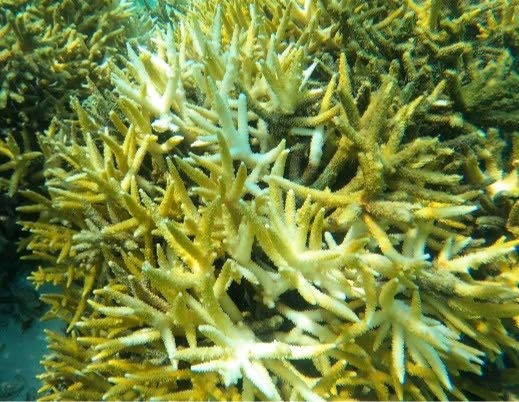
(287,200)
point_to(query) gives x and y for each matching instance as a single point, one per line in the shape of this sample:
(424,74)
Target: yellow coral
(271,211)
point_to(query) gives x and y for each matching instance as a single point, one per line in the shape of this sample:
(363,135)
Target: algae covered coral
(288,200)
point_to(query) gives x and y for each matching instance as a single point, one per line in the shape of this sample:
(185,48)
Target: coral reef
(48,51)
(288,200)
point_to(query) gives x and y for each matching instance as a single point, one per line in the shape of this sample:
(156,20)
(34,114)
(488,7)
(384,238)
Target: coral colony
(269,199)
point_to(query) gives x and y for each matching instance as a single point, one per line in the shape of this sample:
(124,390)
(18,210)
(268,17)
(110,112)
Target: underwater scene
(259,200)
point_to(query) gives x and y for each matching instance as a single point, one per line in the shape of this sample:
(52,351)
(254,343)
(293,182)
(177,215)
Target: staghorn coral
(282,204)
(49,50)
